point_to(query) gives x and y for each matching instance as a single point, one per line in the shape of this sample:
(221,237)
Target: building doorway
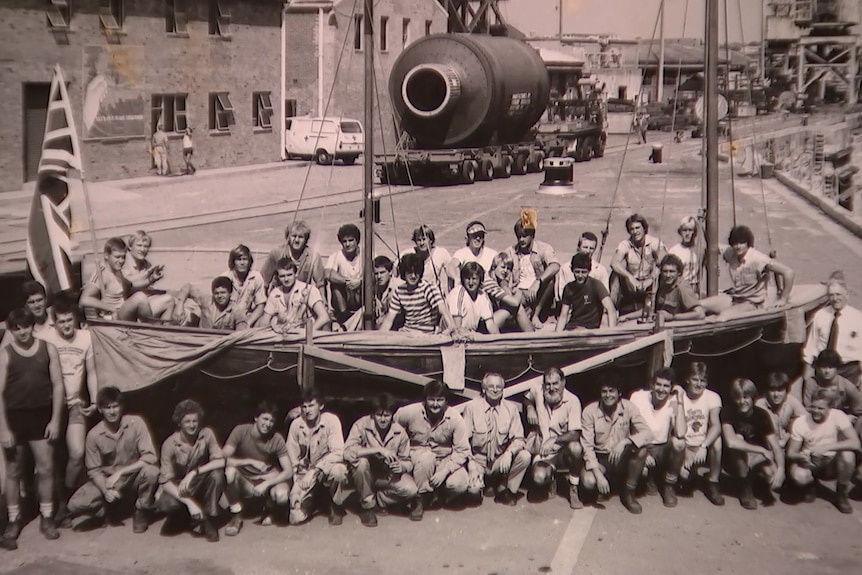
(35,113)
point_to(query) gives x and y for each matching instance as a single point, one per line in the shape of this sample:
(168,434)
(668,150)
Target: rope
(740,347)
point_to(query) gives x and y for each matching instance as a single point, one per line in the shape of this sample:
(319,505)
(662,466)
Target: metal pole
(763,32)
(560,29)
(659,92)
(368,168)
(711,113)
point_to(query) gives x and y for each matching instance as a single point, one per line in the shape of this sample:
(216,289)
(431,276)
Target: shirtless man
(309,266)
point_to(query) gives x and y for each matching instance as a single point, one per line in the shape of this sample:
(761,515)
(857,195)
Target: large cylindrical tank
(464,90)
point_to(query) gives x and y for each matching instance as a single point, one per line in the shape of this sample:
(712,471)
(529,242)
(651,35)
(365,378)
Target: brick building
(324,66)
(213,65)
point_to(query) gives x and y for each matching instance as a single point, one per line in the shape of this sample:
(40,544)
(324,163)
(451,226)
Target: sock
(46,509)
(236,508)
(671,479)
(576,480)
(14,512)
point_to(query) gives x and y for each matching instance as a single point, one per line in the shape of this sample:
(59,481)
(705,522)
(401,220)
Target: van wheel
(349,160)
(323,157)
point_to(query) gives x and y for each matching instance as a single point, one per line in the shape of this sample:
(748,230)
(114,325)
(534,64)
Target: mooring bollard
(655,156)
(559,176)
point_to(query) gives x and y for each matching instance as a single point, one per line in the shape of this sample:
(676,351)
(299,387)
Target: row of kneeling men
(428,453)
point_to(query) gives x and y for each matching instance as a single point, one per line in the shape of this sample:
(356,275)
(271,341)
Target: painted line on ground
(566,558)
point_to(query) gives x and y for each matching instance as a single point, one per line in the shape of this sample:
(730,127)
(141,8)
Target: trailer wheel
(582,150)
(519,165)
(468,172)
(323,157)
(486,171)
(599,150)
(505,167)
(535,162)
(349,160)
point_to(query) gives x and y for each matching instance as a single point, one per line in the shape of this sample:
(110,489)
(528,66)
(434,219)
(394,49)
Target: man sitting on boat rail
(505,296)
(216,311)
(435,258)
(635,266)
(343,272)
(675,299)
(749,272)
(292,301)
(474,251)
(309,267)
(587,244)
(420,301)
(469,304)
(584,300)
(384,286)
(535,267)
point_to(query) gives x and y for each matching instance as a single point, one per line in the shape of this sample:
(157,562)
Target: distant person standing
(188,150)
(160,150)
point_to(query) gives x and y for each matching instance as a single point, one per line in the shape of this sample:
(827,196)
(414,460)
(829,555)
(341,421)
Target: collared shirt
(363,434)
(290,308)
(845,395)
(249,293)
(469,310)
(214,318)
(321,446)
(179,458)
(541,256)
(309,267)
(641,261)
(849,341)
(692,263)
(783,417)
(602,432)
(447,438)
(747,276)
(561,419)
(481,419)
(106,452)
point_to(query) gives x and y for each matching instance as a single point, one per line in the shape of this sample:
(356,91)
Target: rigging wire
(730,147)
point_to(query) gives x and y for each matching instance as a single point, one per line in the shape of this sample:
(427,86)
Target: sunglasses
(475,235)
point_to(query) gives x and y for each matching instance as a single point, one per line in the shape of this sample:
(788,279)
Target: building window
(405,31)
(169,110)
(176,18)
(59,14)
(219,19)
(221,112)
(262,110)
(428,27)
(290,110)
(357,32)
(111,15)
(384,33)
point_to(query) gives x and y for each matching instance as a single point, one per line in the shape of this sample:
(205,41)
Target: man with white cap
(474,251)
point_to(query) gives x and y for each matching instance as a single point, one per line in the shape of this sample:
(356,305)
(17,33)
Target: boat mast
(368,168)
(711,113)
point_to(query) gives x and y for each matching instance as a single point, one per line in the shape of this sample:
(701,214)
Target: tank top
(28,379)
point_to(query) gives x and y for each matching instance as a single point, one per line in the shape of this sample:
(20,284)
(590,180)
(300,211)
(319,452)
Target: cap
(475,227)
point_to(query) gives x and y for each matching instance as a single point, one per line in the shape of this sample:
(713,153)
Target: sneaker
(506,497)
(629,502)
(210,531)
(48,529)
(234,525)
(336,514)
(418,510)
(13,530)
(668,494)
(712,493)
(140,523)
(574,498)
(368,518)
(842,503)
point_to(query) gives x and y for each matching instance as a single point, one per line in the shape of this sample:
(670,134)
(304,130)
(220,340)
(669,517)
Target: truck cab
(324,139)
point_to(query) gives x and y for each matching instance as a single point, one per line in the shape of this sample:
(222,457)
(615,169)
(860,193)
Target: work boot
(234,525)
(488,491)
(368,517)
(13,530)
(810,493)
(418,510)
(627,497)
(336,514)
(713,494)
(140,521)
(746,498)
(651,489)
(506,497)
(668,494)
(48,529)
(841,501)
(210,532)
(8,544)
(574,498)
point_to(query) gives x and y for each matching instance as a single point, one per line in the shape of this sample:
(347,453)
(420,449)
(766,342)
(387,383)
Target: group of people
(158,148)
(429,290)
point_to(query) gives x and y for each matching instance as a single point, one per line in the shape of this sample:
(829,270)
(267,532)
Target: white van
(324,139)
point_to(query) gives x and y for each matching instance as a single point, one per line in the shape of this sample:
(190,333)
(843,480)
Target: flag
(49,243)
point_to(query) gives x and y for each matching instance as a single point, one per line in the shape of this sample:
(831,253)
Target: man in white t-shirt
(702,407)
(474,251)
(292,301)
(469,304)
(688,252)
(661,408)
(823,446)
(435,258)
(75,348)
(343,271)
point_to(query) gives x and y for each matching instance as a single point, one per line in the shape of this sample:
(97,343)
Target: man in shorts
(535,267)
(257,465)
(121,464)
(31,403)
(702,407)
(343,271)
(823,446)
(309,266)
(469,304)
(555,414)
(635,266)
(781,406)
(420,301)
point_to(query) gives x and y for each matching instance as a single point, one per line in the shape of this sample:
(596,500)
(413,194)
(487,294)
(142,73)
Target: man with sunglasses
(474,251)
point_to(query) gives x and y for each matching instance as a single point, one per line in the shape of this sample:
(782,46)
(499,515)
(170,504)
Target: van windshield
(351,128)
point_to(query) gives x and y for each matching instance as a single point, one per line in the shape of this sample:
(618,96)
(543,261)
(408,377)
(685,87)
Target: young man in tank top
(31,399)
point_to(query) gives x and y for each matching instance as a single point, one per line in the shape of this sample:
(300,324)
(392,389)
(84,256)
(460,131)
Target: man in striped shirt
(420,301)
